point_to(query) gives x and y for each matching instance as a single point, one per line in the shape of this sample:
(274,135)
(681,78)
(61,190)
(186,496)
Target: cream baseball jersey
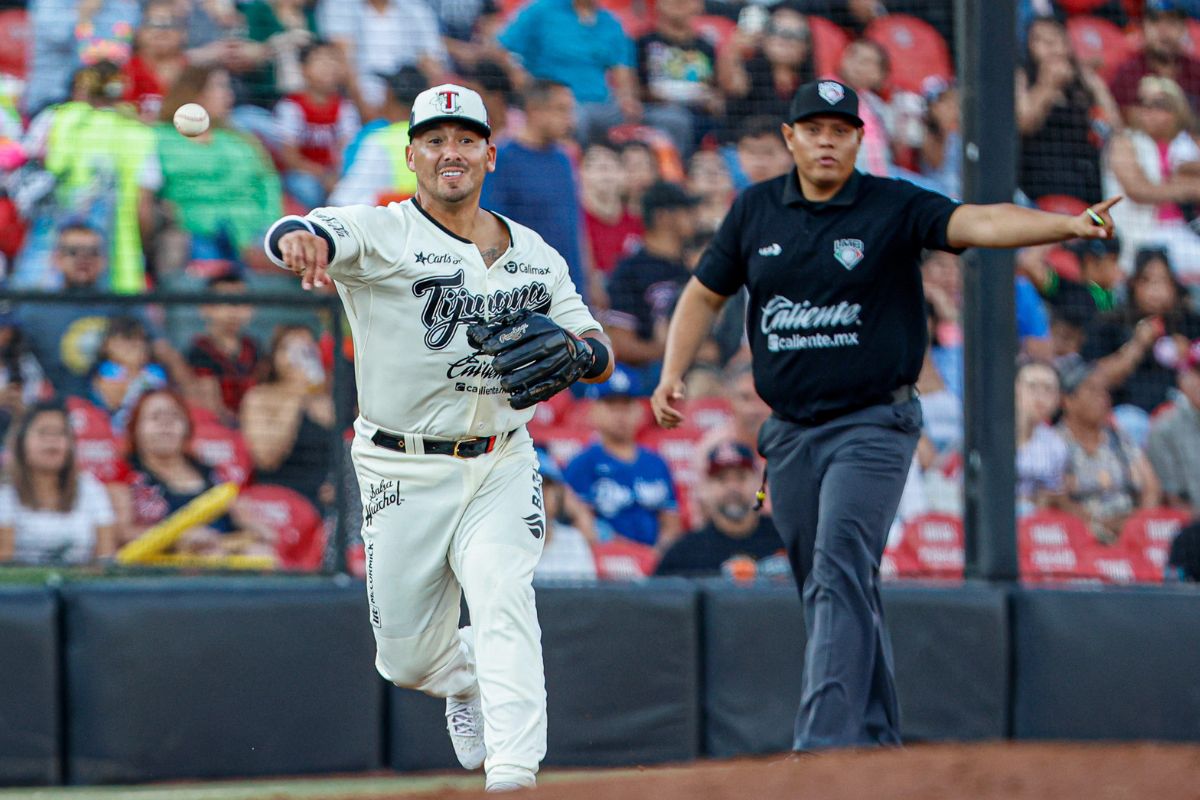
(411,288)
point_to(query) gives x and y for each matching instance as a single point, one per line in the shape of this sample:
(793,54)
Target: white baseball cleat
(508,786)
(464,721)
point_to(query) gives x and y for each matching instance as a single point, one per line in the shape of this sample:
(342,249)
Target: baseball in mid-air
(191,119)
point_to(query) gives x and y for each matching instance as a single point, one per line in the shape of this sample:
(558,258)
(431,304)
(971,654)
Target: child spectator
(288,417)
(316,124)
(1041,451)
(613,232)
(158,58)
(223,358)
(50,511)
(735,529)
(164,476)
(629,487)
(760,153)
(124,369)
(566,554)
(1107,476)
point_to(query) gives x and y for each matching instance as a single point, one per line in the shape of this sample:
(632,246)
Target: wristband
(599,359)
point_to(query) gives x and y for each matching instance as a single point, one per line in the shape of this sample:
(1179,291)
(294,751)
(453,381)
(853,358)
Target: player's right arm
(331,243)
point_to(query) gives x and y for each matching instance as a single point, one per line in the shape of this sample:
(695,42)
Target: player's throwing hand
(307,255)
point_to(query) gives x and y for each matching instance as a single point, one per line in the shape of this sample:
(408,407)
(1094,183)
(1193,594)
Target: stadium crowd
(625,128)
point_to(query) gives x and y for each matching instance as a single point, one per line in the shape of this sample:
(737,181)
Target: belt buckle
(457,443)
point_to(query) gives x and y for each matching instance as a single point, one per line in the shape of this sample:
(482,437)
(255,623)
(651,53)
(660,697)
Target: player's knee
(404,666)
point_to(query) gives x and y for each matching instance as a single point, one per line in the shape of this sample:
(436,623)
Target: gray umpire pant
(835,488)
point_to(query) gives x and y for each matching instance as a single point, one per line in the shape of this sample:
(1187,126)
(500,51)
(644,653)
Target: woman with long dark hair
(1057,98)
(50,511)
(760,71)
(1140,344)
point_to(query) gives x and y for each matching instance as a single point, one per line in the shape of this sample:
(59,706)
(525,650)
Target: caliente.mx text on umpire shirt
(836,316)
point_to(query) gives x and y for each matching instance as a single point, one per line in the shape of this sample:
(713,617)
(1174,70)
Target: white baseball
(191,119)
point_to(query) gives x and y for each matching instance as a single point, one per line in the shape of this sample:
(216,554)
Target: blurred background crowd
(625,129)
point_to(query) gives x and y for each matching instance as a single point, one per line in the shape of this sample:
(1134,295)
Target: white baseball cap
(448,102)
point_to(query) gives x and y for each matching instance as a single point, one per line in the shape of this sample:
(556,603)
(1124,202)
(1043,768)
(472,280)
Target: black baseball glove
(534,356)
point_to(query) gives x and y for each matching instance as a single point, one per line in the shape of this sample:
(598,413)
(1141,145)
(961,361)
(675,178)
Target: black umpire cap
(825,97)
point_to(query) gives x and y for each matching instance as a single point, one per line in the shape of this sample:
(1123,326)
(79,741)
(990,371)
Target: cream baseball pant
(435,526)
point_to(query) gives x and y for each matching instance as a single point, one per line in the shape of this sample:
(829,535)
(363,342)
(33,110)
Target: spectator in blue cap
(628,486)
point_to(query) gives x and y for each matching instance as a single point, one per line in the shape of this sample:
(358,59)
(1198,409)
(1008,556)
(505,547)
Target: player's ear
(491,156)
(861,131)
(408,158)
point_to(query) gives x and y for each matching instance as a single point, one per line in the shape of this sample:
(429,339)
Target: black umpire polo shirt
(836,317)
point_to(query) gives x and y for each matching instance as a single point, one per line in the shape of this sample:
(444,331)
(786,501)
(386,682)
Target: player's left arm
(1008,225)
(602,347)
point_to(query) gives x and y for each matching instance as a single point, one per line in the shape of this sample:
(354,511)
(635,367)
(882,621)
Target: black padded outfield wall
(1107,664)
(950,645)
(622,672)
(29,690)
(206,679)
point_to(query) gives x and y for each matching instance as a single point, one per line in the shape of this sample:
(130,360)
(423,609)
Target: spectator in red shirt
(158,58)
(223,358)
(316,125)
(1164,31)
(613,231)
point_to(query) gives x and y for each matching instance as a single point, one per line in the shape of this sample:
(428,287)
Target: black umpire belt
(460,448)
(896,396)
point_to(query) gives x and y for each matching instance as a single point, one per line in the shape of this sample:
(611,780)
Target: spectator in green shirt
(220,187)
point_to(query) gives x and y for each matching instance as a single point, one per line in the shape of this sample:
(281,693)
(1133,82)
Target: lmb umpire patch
(848,252)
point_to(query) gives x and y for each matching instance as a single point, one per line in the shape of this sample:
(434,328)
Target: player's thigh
(504,523)
(411,504)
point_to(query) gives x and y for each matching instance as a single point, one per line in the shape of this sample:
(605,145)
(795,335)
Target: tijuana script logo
(781,314)
(448,305)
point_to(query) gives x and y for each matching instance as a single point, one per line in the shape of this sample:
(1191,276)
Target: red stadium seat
(707,413)
(1049,544)
(16,36)
(224,449)
(932,547)
(915,49)
(1081,6)
(621,559)
(714,29)
(1062,204)
(97,449)
(300,531)
(1148,534)
(677,446)
(1099,44)
(829,40)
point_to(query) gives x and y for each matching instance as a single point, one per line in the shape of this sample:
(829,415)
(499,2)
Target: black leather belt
(461,448)
(895,397)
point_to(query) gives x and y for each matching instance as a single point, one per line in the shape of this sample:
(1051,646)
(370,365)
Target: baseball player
(462,321)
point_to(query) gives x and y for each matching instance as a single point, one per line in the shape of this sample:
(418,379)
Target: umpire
(836,326)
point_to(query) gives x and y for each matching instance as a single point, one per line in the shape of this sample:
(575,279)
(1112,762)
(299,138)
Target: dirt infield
(932,772)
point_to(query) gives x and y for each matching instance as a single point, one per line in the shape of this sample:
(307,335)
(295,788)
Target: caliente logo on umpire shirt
(781,314)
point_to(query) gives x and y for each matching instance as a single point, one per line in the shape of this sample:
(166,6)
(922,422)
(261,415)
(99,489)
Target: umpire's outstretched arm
(1008,225)
(694,315)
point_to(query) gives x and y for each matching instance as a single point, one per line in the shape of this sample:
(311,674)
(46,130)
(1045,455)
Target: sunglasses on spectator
(162,25)
(793,34)
(73,251)
(1160,103)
